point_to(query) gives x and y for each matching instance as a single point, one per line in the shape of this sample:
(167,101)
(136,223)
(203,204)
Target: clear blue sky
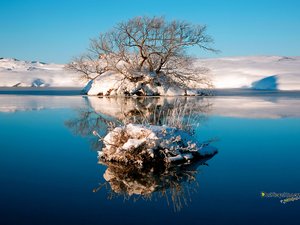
(57,30)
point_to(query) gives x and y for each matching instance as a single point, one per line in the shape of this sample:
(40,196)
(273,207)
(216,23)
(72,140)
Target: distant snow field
(260,72)
(17,73)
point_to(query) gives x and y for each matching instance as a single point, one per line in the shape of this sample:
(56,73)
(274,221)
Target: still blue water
(49,168)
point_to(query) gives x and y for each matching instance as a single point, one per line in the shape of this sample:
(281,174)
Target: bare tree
(147,49)
(89,68)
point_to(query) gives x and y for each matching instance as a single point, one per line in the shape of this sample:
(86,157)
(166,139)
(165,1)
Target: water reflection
(174,183)
(148,109)
(99,114)
(263,107)
(253,106)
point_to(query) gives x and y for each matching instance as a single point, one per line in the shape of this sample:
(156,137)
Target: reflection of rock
(140,145)
(175,183)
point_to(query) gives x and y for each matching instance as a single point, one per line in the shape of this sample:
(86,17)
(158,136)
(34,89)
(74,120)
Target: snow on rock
(175,91)
(104,84)
(115,84)
(192,92)
(141,144)
(17,73)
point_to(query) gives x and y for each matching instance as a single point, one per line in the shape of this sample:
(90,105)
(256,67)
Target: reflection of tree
(98,113)
(86,122)
(182,113)
(174,183)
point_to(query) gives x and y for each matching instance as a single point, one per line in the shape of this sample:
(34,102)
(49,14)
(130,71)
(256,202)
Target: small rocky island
(139,145)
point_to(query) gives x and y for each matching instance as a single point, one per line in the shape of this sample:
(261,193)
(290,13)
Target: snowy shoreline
(235,75)
(77,91)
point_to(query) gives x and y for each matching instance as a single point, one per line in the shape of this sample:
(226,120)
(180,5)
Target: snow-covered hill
(17,73)
(260,72)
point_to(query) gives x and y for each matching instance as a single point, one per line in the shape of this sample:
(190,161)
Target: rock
(143,144)
(110,84)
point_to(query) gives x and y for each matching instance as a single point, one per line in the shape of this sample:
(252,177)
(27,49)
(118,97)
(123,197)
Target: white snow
(107,82)
(114,84)
(136,143)
(246,72)
(133,143)
(258,72)
(36,74)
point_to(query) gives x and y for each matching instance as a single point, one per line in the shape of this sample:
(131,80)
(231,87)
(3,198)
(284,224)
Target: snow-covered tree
(148,50)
